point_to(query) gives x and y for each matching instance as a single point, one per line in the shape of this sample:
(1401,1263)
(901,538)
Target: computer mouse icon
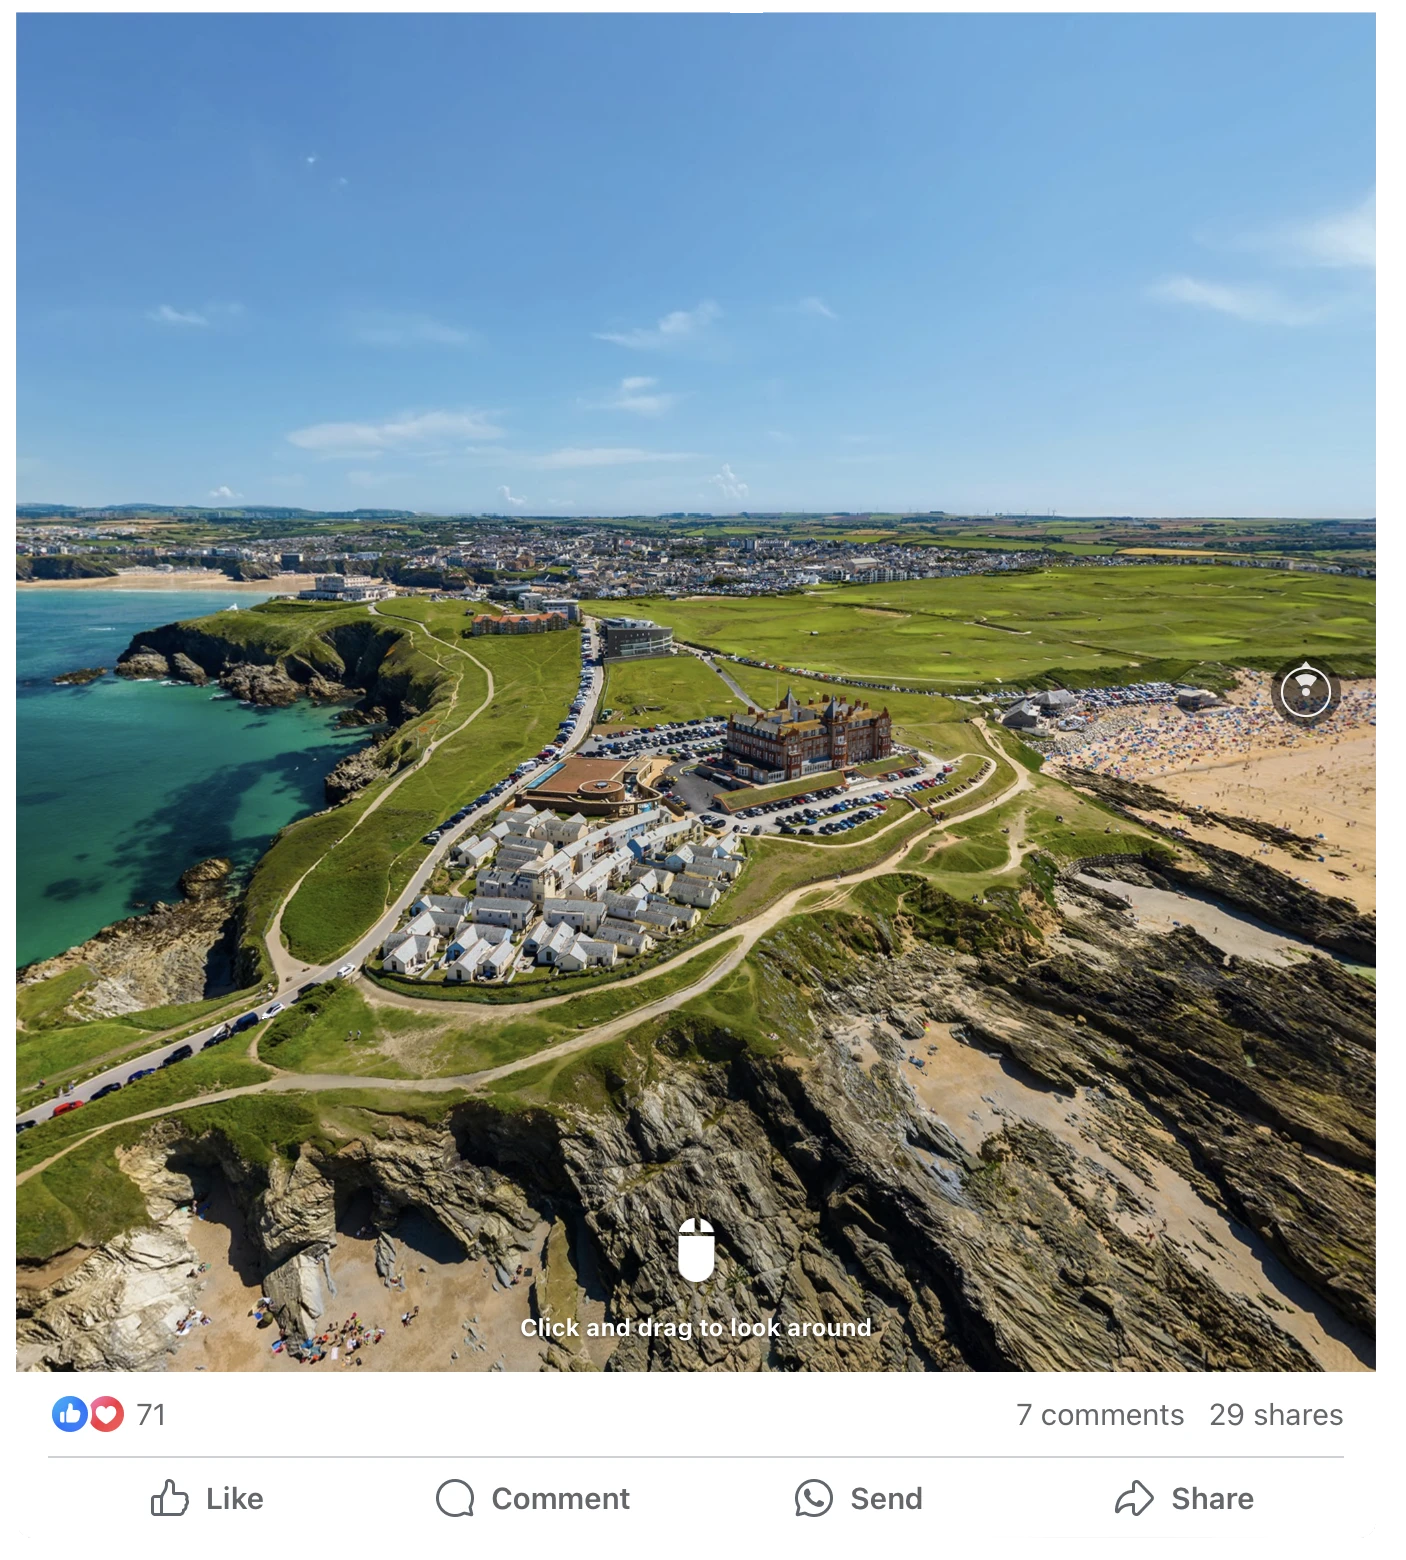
(697,1250)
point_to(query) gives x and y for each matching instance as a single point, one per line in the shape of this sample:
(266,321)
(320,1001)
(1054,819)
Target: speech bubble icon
(455,1498)
(813,1498)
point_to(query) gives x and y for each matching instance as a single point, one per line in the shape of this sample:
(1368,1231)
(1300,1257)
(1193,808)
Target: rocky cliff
(364,660)
(1333,923)
(1151,1093)
(168,955)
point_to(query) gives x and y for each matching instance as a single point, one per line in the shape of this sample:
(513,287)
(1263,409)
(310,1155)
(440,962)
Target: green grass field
(674,687)
(535,677)
(399,1043)
(224,1067)
(776,866)
(977,630)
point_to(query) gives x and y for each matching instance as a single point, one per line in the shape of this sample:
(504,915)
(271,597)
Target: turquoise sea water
(122,785)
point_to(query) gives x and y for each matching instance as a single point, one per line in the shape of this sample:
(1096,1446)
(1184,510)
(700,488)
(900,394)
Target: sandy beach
(444,1287)
(973,1093)
(1247,762)
(189,579)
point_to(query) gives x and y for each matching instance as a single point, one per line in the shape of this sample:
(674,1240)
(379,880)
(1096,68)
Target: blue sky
(591,265)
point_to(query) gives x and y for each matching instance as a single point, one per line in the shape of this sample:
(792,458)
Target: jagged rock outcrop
(1137,795)
(255,684)
(186,670)
(843,1202)
(206,878)
(140,660)
(167,955)
(1329,921)
(357,770)
(117,1307)
(362,658)
(83,675)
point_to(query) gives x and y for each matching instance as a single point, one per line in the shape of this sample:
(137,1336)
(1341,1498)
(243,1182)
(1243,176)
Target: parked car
(276,1007)
(178,1055)
(141,1072)
(24,1126)
(102,1093)
(346,972)
(218,1039)
(68,1105)
(247,1022)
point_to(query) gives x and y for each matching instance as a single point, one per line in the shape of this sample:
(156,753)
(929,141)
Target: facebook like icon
(70,1413)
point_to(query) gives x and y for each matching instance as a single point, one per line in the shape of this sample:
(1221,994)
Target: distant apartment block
(347,587)
(518,623)
(635,639)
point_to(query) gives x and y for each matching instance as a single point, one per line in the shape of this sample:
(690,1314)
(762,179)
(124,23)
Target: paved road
(293,974)
(745,935)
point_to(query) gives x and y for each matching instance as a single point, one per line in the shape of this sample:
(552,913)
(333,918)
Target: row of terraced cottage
(555,891)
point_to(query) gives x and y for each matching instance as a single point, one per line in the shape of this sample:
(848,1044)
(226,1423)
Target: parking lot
(834,810)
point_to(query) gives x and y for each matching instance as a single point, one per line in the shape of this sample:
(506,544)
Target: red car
(67,1105)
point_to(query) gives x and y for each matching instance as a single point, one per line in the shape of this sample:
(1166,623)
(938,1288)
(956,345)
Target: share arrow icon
(1136,1499)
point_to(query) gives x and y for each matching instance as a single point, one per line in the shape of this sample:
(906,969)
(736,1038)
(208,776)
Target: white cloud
(565,459)
(1346,239)
(730,485)
(1259,305)
(422,433)
(816,306)
(406,330)
(310,159)
(673,330)
(637,394)
(224,494)
(506,494)
(164,314)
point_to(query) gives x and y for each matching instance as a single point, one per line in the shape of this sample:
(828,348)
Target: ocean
(123,785)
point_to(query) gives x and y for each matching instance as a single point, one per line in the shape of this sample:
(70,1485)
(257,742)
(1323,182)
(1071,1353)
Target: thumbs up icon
(171,1502)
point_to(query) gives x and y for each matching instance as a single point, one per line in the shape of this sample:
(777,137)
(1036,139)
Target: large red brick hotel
(798,739)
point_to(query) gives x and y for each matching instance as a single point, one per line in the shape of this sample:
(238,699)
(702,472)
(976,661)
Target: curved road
(291,974)
(747,935)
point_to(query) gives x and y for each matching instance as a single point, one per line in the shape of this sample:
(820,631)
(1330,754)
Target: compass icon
(1306,692)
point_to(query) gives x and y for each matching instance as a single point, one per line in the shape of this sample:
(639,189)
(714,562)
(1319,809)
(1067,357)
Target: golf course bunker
(974,1093)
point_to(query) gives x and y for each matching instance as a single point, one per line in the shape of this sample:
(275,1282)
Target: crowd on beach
(1159,740)
(343,1341)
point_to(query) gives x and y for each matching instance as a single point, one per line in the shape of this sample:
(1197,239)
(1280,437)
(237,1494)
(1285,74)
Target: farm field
(675,687)
(535,676)
(980,630)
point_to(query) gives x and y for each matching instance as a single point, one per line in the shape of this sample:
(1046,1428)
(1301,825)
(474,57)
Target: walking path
(286,967)
(747,936)
(292,974)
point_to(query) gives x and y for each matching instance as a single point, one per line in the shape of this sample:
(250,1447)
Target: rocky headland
(1165,1113)
(172,953)
(367,664)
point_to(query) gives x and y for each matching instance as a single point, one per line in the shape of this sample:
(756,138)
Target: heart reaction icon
(106,1413)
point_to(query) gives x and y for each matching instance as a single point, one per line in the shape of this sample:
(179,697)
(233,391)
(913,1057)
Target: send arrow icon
(1135,1499)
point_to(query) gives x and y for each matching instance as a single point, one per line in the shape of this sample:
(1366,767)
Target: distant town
(747,555)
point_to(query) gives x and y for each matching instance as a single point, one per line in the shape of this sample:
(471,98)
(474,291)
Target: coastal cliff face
(1144,1092)
(361,661)
(147,961)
